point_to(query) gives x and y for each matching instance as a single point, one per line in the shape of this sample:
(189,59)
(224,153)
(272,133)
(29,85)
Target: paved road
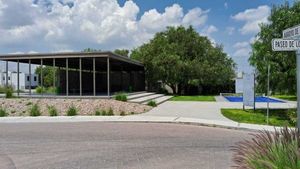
(94,145)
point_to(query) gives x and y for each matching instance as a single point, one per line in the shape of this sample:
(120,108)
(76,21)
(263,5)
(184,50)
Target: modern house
(85,74)
(24,80)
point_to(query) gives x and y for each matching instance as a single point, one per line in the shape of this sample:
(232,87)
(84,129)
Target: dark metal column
(80,76)
(108,78)
(42,76)
(6,78)
(18,78)
(67,76)
(30,77)
(94,76)
(54,75)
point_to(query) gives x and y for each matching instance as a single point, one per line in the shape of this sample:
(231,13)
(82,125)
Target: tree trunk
(173,87)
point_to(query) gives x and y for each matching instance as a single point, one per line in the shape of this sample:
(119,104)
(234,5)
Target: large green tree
(48,74)
(180,58)
(283,64)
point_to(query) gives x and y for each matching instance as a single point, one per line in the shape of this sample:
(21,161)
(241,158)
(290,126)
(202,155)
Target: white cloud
(226,5)
(102,24)
(209,30)
(242,49)
(252,18)
(230,30)
(196,17)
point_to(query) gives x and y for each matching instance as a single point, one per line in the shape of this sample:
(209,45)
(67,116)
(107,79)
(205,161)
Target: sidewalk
(136,118)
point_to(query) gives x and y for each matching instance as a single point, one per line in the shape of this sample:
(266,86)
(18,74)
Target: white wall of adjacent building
(24,80)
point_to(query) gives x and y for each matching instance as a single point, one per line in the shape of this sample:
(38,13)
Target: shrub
(52,90)
(279,149)
(28,103)
(122,113)
(72,111)
(40,89)
(3,112)
(292,114)
(98,112)
(2,89)
(103,113)
(9,92)
(152,103)
(52,111)
(121,97)
(110,112)
(35,110)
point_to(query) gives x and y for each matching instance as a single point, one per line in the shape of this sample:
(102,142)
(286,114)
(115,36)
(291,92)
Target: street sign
(285,45)
(291,33)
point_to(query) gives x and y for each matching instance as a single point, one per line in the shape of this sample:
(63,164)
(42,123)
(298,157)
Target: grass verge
(286,97)
(193,98)
(278,117)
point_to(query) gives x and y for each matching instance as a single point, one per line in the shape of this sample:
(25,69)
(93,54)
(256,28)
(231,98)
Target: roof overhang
(15,57)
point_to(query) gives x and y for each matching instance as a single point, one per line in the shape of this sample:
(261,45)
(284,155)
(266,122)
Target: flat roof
(105,54)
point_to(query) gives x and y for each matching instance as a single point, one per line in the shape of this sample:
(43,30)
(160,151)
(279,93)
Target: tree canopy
(122,52)
(48,74)
(180,58)
(283,64)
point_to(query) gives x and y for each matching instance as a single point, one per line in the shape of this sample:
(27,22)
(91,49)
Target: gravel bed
(21,106)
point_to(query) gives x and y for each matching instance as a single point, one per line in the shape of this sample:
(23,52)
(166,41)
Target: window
(35,78)
(8,78)
(28,78)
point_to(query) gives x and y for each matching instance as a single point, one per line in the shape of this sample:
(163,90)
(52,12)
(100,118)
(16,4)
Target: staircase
(145,97)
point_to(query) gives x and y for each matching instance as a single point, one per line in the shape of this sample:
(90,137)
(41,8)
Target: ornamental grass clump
(3,112)
(121,97)
(52,111)
(110,112)
(72,111)
(35,110)
(9,92)
(269,150)
(152,103)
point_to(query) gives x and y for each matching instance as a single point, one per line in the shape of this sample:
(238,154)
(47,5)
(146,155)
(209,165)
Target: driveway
(204,110)
(97,145)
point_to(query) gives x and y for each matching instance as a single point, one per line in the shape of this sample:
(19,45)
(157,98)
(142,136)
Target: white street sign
(285,45)
(291,33)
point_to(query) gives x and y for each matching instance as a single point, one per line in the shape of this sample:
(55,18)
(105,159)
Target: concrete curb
(140,119)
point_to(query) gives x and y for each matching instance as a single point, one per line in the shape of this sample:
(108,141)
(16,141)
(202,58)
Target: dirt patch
(20,107)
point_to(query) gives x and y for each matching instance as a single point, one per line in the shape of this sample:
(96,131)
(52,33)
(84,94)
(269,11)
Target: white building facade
(24,80)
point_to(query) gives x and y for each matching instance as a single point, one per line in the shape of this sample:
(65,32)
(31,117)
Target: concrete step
(135,93)
(160,100)
(146,98)
(135,96)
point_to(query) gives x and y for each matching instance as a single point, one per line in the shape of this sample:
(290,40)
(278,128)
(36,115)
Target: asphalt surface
(95,145)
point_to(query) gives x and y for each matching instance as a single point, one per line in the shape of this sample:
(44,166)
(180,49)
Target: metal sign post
(268,95)
(298,88)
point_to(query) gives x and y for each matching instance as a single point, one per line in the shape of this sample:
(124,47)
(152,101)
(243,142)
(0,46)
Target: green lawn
(193,98)
(279,117)
(286,97)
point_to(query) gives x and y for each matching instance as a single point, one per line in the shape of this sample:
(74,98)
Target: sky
(30,26)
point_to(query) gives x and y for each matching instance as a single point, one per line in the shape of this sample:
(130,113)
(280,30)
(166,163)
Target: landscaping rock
(20,107)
